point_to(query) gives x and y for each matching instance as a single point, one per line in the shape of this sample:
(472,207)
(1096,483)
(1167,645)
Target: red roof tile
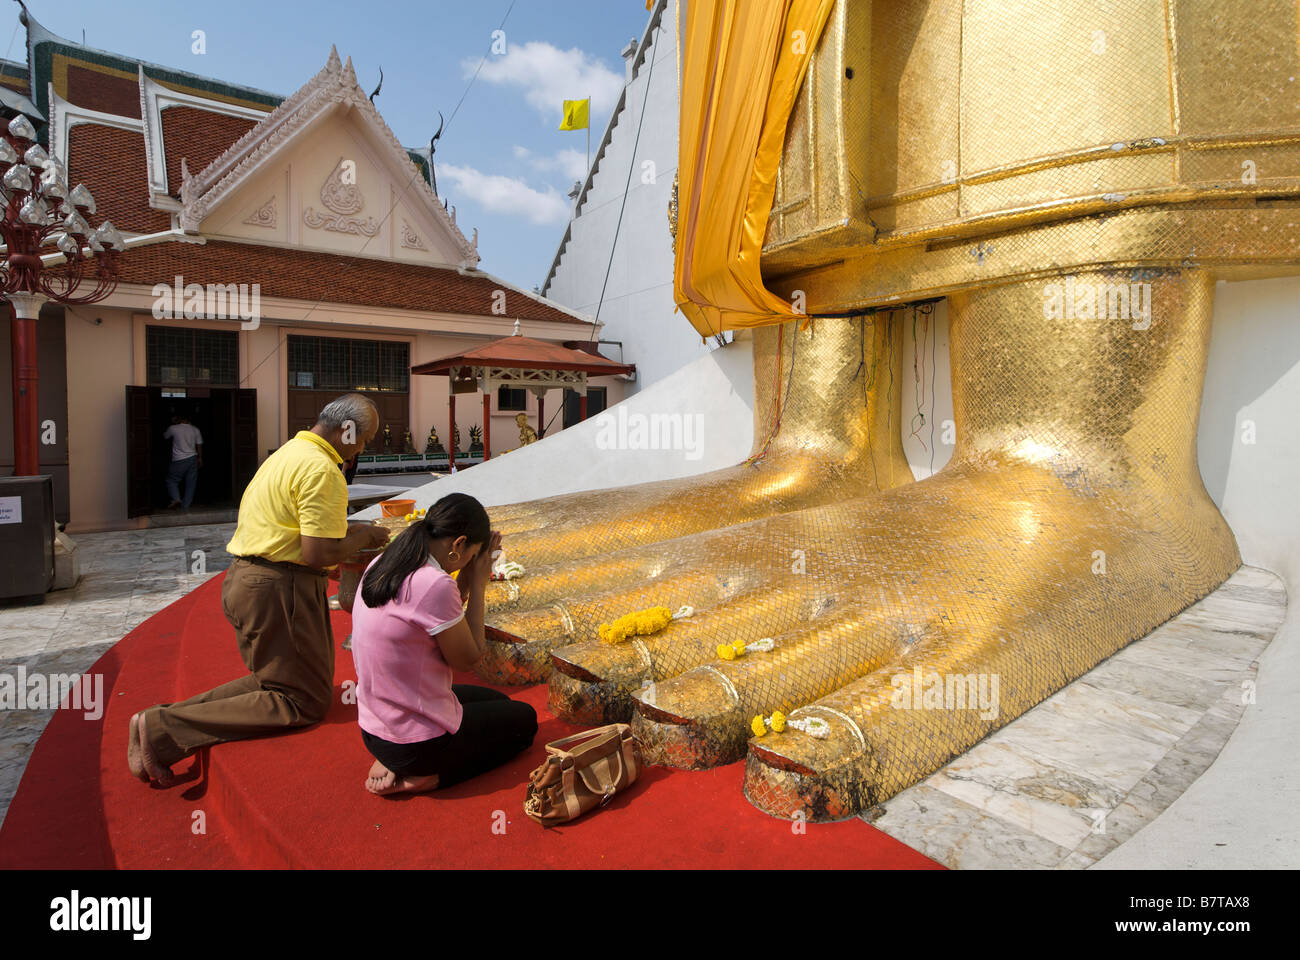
(527,354)
(111,163)
(200,136)
(330,278)
(102,91)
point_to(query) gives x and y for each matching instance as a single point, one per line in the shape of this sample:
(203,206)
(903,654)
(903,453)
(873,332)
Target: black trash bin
(26,538)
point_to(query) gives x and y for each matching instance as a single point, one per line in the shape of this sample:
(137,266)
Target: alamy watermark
(41,691)
(76,913)
(1103,301)
(655,431)
(953,691)
(212,301)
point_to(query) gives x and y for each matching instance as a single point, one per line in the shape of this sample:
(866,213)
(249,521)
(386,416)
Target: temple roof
(525,353)
(333,278)
(163,149)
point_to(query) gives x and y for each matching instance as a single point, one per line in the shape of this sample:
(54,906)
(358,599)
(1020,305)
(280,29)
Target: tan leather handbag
(582,772)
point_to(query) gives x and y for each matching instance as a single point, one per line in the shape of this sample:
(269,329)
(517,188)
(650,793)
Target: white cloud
(508,195)
(571,163)
(549,76)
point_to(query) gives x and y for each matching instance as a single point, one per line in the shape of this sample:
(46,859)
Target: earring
(453,556)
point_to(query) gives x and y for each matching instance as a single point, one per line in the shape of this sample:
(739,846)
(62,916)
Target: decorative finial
(187,185)
(516,333)
(349,75)
(333,65)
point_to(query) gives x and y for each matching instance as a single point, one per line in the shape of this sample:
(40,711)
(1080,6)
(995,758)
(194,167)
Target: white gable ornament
(334,87)
(343,198)
(410,239)
(263,216)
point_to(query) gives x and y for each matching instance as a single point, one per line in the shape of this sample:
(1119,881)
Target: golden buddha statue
(527,434)
(1076,220)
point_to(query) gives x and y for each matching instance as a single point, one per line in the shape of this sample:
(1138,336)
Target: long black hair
(455,515)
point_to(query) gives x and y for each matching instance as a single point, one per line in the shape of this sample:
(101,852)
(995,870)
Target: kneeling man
(292,526)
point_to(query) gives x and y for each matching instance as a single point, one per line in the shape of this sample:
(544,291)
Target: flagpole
(588,134)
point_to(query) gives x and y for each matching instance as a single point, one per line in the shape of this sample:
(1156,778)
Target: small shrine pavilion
(518,362)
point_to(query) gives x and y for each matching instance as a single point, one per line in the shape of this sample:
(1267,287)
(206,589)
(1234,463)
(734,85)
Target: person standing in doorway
(187,458)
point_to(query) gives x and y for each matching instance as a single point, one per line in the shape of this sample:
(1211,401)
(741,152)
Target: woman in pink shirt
(412,625)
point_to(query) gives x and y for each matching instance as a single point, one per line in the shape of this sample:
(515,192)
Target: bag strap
(606,774)
(557,746)
(571,806)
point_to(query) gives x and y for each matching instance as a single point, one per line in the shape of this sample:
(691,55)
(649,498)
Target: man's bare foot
(381,781)
(158,772)
(134,757)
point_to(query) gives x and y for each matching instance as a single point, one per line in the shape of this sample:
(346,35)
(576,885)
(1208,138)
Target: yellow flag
(576,114)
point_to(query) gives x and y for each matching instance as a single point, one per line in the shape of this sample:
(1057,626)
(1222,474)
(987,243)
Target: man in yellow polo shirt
(292,525)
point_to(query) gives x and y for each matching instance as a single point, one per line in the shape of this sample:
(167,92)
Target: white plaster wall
(1241,812)
(101,360)
(925,381)
(638,307)
(716,390)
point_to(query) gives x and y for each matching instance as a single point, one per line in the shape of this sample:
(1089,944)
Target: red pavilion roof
(525,353)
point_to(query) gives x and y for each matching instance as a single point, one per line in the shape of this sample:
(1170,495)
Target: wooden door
(243,458)
(139,451)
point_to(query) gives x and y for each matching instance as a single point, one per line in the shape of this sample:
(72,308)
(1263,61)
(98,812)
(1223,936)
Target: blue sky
(501,160)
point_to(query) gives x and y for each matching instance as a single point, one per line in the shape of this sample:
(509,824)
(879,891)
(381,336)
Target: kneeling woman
(410,629)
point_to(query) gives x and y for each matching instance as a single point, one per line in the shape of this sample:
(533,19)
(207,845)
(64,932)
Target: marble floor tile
(1026,791)
(1076,861)
(1089,767)
(1086,747)
(961,836)
(20,645)
(1149,681)
(1196,664)
(1153,720)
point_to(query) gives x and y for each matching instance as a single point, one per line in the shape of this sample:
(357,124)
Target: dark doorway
(573,405)
(227,418)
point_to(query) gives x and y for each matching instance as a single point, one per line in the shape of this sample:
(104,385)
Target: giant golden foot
(1070,521)
(826,411)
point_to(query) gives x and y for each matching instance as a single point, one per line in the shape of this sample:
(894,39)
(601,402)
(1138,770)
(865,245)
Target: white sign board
(11,509)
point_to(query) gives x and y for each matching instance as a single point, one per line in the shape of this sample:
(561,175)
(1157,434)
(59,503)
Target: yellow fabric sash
(743,62)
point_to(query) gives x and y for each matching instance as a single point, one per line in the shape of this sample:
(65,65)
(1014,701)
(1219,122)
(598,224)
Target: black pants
(493,729)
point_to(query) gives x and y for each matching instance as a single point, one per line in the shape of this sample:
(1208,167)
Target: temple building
(281,251)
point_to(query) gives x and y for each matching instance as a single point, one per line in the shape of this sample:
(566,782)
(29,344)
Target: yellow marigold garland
(642,623)
(730,651)
(813,726)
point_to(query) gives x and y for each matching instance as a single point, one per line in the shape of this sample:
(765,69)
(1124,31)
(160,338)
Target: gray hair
(354,408)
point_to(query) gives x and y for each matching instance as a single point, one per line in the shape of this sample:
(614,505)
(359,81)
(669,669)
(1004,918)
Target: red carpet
(297,800)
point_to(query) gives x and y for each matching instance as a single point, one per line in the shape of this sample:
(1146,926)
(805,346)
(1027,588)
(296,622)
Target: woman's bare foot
(158,772)
(381,781)
(134,756)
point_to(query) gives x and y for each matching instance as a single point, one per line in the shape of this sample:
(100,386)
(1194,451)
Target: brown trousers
(281,617)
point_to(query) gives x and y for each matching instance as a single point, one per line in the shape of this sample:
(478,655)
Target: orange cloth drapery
(742,64)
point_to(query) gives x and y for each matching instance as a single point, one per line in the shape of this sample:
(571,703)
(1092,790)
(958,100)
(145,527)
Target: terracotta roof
(332,278)
(525,353)
(99,90)
(111,163)
(200,136)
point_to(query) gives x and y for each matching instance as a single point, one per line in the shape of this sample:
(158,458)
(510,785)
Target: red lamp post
(31,184)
